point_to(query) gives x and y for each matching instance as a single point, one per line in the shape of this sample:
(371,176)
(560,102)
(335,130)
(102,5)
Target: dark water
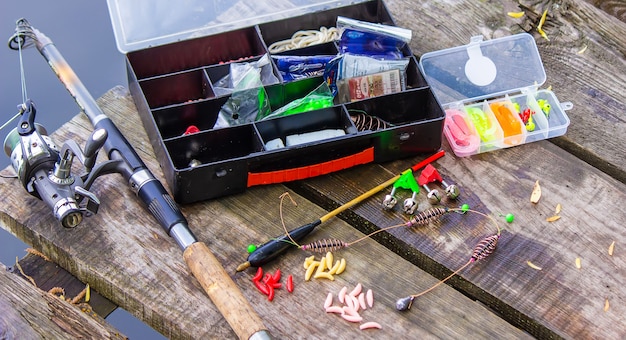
(82,32)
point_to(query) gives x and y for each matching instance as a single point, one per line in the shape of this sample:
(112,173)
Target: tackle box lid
(140,24)
(483,69)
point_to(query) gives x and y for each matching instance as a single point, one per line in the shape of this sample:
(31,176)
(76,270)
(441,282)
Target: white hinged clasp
(479,70)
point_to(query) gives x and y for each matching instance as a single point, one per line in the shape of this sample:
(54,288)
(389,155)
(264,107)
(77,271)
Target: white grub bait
(357,290)
(329,301)
(352,302)
(370,325)
(362,301)
(349,302)
(369,297)
(342,294)
(334,310)
(355,303)
(350,311)
(352,318)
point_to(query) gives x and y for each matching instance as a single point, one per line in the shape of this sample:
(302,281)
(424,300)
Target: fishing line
(481,250)
(22,74)
(18,41)
(420,219)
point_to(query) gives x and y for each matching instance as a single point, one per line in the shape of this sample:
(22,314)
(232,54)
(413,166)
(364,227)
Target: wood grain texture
(31,313)
(122,253)
(615,8)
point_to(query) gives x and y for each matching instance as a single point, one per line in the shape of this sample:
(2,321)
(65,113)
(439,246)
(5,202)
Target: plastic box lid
(139,24)
(483,69)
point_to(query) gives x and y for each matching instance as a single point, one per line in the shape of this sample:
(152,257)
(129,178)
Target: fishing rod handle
(145,185)
(224,293)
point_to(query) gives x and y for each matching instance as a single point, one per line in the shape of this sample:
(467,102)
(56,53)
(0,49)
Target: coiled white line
(304,38)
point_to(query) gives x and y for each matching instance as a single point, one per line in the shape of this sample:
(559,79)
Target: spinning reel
(46,173)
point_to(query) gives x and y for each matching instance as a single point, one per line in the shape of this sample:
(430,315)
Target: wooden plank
(123,254)
(31,313)
(615,8)
(585,60)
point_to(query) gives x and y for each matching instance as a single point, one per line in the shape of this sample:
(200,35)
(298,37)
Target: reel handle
(92,146)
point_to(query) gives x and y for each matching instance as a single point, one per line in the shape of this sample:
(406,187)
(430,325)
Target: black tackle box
(176,54)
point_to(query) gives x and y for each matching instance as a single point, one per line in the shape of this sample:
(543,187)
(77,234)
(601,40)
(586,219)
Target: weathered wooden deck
(124,255)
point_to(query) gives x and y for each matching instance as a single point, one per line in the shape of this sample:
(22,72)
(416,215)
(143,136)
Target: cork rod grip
(223,291)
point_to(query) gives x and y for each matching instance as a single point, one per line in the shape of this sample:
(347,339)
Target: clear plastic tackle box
(490,93)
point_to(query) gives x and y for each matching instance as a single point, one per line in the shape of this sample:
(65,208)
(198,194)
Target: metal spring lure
(427,216)
(325,245)
(364,122)
(420,219)
(482,250)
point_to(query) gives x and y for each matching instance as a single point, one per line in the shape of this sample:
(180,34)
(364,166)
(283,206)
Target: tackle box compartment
(490,93)
(172,68)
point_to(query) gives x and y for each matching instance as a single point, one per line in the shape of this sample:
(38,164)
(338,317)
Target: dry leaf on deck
(515,14)
(540,25)
(533,266)
(536,194)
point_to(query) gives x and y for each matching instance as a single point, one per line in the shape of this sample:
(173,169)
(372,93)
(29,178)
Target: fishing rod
(276,246)
(45,173)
